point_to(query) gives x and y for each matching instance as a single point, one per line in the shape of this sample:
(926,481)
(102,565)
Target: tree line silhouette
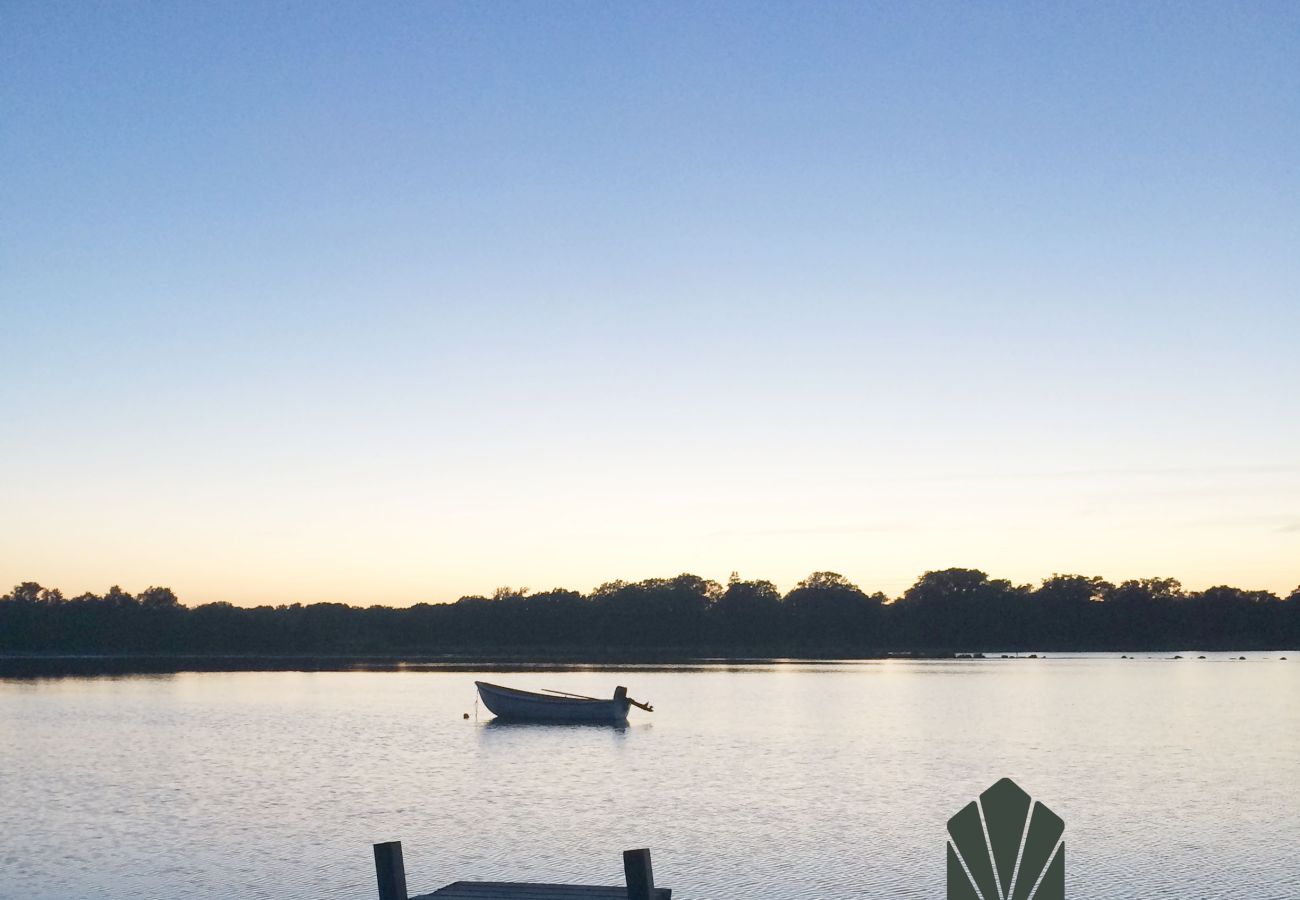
(825,614)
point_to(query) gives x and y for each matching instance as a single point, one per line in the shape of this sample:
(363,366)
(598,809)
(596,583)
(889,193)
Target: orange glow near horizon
(398,548)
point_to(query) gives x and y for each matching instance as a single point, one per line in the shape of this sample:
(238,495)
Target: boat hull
(525,706)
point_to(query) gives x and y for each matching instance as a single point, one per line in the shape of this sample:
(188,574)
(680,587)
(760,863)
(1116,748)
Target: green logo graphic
(1001,850)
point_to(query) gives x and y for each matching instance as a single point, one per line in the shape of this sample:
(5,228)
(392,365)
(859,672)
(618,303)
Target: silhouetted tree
(964,608)
(1067,610)
(749,612)
(158,598)
(952,609)
(1223,617)
(1290,619)
(118,597)
(26,592)
(828,605)
(1141,611)
(657,611)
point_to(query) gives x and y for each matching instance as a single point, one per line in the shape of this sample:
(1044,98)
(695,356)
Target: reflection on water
(794,780)
(536,728)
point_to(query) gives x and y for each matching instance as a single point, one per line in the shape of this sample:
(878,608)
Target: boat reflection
(504,725)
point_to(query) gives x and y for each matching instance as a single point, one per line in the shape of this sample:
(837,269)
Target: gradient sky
(398,302)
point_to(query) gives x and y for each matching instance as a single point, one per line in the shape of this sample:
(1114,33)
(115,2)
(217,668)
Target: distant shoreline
(90,664)
(679,620)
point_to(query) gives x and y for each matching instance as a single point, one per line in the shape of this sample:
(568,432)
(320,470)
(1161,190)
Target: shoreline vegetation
(657,621)
(48,665)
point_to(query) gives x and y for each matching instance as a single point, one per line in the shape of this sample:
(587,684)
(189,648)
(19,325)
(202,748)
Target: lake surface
(1176,779)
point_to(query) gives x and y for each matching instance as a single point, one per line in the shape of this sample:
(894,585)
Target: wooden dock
(522,890)
(390,872)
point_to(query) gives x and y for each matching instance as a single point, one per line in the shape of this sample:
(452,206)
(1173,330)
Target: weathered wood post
(390,871)
(640,877)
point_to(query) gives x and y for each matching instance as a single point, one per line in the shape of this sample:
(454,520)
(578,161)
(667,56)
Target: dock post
(390,871)
(640,877)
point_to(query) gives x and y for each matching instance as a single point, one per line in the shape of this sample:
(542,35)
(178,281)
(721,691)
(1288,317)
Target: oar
(646,706)
(567,694)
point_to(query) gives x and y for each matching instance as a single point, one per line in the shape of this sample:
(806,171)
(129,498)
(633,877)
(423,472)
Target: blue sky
(326,301)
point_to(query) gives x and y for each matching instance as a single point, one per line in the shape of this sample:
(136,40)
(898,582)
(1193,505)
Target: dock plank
(525,890)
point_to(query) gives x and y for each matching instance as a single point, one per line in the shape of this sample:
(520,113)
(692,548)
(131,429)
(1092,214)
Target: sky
(392,303)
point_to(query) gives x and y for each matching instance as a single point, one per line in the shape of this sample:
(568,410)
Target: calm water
(1175,779)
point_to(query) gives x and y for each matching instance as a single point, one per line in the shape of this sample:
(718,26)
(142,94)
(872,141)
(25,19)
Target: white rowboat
(511,703)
